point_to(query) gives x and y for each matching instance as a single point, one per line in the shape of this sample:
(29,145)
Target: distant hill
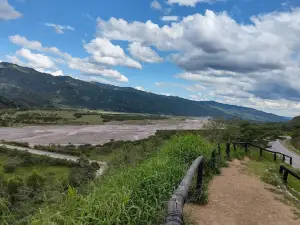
(30,88)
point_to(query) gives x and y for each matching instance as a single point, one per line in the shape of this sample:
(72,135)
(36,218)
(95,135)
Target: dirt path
(237,198)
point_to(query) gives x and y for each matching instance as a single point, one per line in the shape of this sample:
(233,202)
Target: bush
(11,165)
(35,181)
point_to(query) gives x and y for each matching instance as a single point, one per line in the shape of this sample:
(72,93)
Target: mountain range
(29,88)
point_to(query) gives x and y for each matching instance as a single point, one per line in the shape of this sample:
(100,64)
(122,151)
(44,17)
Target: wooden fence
(261,150)
(178,199)
(285,171)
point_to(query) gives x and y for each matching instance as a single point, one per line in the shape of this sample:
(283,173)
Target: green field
(60,172)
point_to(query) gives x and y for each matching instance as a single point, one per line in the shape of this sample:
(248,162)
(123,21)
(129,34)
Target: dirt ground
(93,134)
(237,198)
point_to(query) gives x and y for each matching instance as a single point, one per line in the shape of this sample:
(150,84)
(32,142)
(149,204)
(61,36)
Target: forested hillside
(30,88)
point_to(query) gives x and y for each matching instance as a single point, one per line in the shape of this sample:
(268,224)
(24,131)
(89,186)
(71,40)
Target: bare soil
(93,134)
(237,198)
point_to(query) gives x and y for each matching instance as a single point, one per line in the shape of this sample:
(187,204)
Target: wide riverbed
(93,134)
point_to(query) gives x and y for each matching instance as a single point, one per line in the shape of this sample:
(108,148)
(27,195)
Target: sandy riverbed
(93,134)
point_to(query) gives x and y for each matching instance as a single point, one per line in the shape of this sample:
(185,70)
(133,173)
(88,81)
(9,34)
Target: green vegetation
(268,170)
(133,195)
(238,130)
(28,181)
(290,144)
(31,89)
(68,116)
(294,125)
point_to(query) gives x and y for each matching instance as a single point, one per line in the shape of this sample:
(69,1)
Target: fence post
(281,170)
(234,147)
(219,149)
(260,152)
(283,158)
(246,147)
(291,160)
(275,156)
(199,176)
(213,159)
(228,150)
(285,176)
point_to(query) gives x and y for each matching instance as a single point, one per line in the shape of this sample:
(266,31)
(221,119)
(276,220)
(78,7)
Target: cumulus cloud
(214,50)
(144,53)
(87,66)
(36,60)
(191,3)
(7,12)
(104,52)
(33,45)
(169,18)
(140,88)
(59,28)
(55,73)
(156,5)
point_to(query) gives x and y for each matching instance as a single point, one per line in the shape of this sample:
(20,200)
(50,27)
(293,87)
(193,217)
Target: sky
(241,52)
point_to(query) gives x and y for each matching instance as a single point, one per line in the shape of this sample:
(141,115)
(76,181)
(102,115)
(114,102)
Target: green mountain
(29,88)
(6,103)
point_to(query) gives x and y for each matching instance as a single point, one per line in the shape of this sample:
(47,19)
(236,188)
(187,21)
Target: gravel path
(237,198)
(92,134)
(278,147)
(103,165)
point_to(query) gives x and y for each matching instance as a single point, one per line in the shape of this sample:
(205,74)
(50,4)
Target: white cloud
(156,5)
(191,3)
(57,73)
(7,12)
(169,18)
(36,60)
(88,68)
(104,52)
(59,28)
(213,49)
(166,94)
(85,65)
(144,53)
(140,88)
(33,45)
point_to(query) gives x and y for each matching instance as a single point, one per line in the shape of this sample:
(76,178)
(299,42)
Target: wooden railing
(285,171)
(178,199)
(261,150)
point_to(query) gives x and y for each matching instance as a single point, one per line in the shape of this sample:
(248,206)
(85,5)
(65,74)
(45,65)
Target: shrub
(35,181)
(11,165)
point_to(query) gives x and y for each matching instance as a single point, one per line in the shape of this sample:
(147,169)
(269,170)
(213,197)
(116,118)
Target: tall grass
(135,195)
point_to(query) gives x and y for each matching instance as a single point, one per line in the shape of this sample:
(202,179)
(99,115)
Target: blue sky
(243,52)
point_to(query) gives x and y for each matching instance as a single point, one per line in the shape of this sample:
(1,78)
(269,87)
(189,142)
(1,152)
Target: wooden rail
(285,171)
(176,203)
(178,199)
(261,149)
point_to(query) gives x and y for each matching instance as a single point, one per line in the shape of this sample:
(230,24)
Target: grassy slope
(133,195)
(287,144)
